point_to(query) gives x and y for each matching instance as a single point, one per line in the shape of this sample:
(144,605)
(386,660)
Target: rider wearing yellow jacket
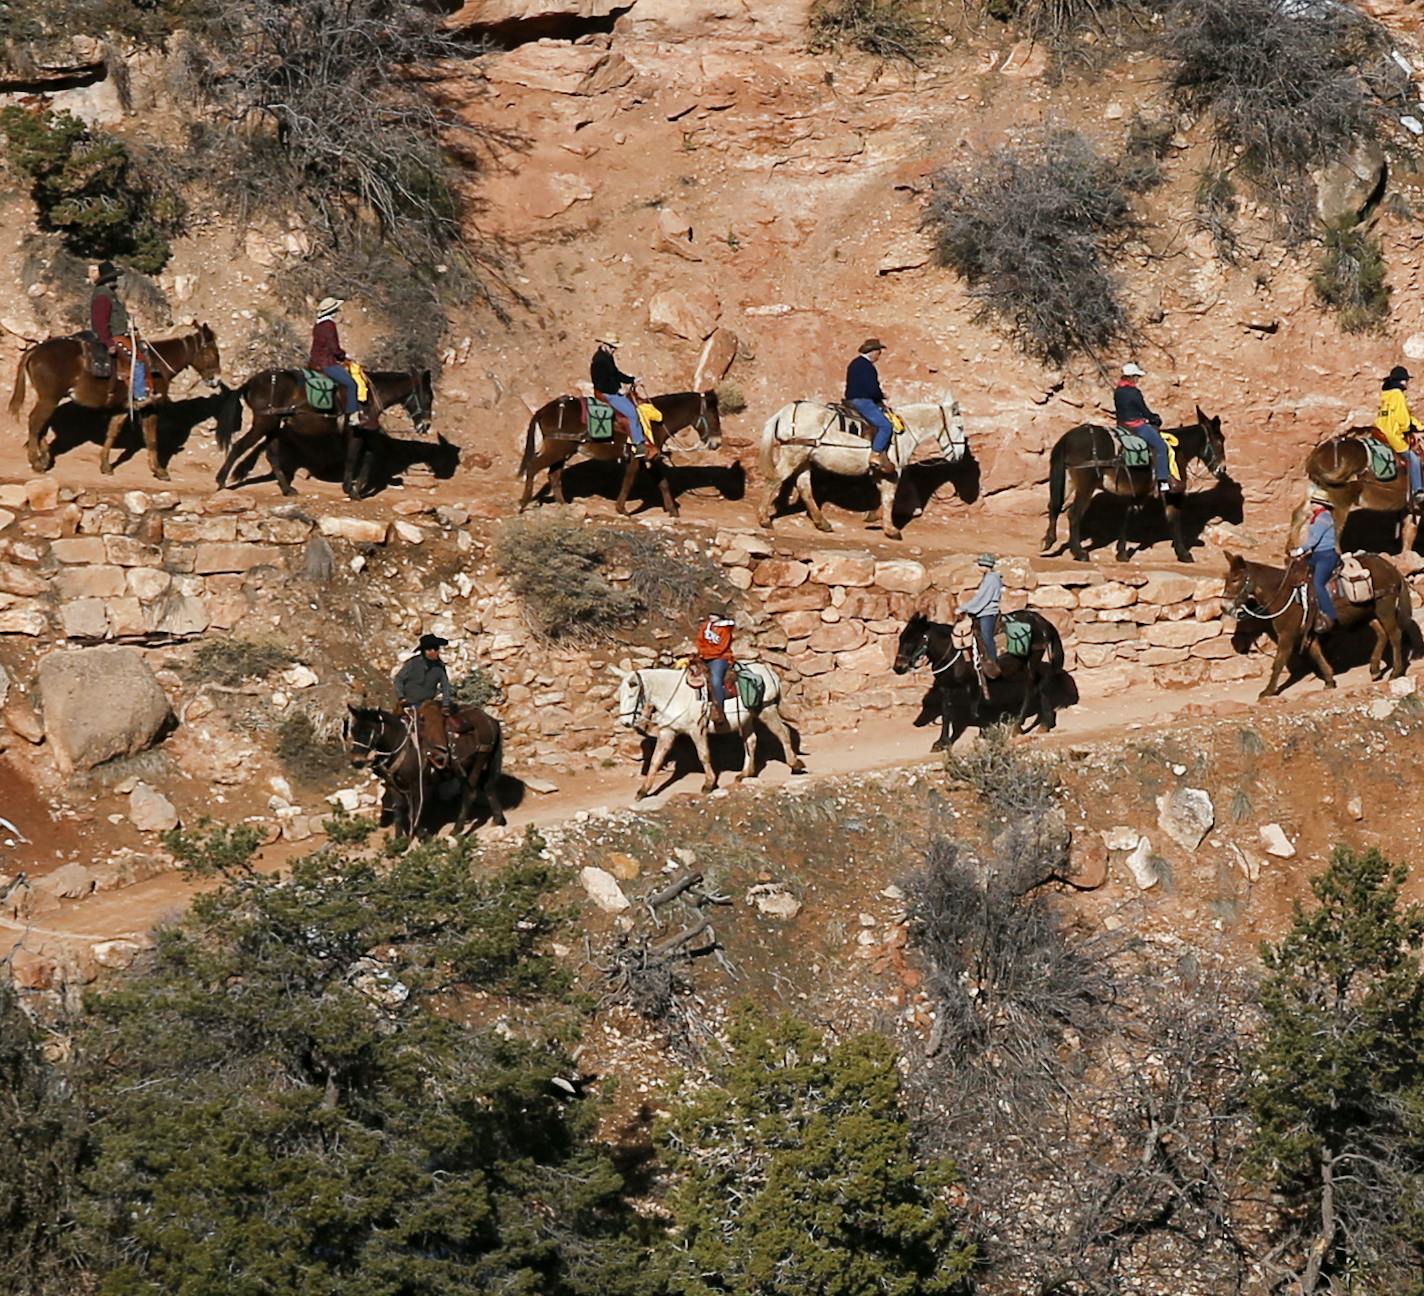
(1395,424)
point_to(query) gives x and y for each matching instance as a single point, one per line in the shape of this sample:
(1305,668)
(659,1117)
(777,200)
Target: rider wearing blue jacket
(1320,549)
(1130,408)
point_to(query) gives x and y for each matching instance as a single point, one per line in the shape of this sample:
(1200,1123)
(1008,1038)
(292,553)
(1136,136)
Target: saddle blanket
(1383,461)
(1136,453)
(321,391)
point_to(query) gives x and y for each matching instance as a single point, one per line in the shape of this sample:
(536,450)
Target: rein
(1240,606)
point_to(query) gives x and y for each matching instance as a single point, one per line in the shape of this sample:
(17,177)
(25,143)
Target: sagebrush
(1031,228)
(1288,86)
(1350,279)
(231,659)
(560,570)
(890,29)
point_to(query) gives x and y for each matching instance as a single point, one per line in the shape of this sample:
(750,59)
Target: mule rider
(423,686)
(328,357)
(1395,426)
(1320,550)
(864,395)
(611,385)
(1130,407)
(983,606)
(714,646)
(110,321)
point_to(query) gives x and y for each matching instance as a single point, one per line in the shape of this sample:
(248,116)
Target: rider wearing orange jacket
(714,646)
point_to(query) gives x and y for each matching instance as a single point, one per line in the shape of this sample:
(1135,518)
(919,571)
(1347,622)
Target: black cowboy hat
(108,272)
(430,641)
(1398,374)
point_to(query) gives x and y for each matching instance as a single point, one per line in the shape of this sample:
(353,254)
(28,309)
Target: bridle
(922,653)
(634,717)
(1214,463)
(421,414)
(1249,594)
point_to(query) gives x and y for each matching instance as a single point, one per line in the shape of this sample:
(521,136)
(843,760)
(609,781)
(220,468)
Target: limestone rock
(623,866)
(1108,595)
(116,954)
(20,582)
(1120,838)
(848,567)
(356,530)
(674,234)
(1274,839)
(561,68)
(1349,187)
(150,810)
(902,575)
(42,494)
(1186,815)
(1146,869)
(774,900)
(20,716)
(690,314)
(603,889)
(99,703)
(718,354)
(85,618)
(68,882)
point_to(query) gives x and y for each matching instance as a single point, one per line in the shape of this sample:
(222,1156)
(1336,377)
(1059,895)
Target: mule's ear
(1201,416)
(618,674)
(1232,560)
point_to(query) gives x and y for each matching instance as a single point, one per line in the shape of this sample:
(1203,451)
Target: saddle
(751,688)
(97,359)
(854,423)
(1134,452)
(438,733)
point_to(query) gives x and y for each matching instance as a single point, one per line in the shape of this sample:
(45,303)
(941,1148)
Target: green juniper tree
(794,1175)
(1337,1085)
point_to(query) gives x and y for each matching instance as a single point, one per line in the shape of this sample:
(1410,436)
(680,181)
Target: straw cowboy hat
(329,305)
(610,340)
(1133,370)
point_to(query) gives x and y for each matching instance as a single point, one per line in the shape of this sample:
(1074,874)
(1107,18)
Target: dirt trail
(886,742)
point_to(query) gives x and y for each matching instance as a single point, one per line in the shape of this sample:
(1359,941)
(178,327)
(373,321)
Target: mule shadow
(441,810)
(324,460)
(603,478)
(75,425)
(1345,650)
(1003,705)
(727,756)
(1370,531)
(919,484)
(1102,523)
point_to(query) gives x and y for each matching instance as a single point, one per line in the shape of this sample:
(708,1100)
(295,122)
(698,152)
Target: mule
(1089,456)
(1277,599)
(957,681)
(281,413)
(388,744)
(805,435)
(561,436)
(60,368)
(1340,467)
(666,702)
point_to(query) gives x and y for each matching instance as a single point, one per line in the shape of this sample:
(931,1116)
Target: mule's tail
(528,445)
(1413,636)
(767,459)
(17,397)
(1057,479)
(229,420)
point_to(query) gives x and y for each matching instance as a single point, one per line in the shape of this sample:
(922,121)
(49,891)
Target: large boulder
(1351,186)
(99,703)
(692,314)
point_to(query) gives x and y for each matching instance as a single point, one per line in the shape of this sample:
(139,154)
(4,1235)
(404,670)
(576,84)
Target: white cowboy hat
(1133,370)
(1316,495)
(610,340)
(329,305)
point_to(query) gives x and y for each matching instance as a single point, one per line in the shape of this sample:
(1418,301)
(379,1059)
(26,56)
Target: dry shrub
(558,568)
(232,659)
(306,753)
(889,29)
(1350,280)
(1061,23)
(1031,228)
(1289,84)
(730,398)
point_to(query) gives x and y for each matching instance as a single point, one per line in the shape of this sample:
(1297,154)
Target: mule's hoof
(1186,558)
(709,785)
(894,535)
(799,767)
(938,745)
(1330,683)
(500,821)
(640,794)
(824,526)
(106,468)
(161,474)
(1080,557)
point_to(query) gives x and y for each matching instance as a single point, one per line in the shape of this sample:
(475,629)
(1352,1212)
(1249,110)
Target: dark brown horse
(389,744)
(1341,468)
(60,368)
(1090,456)
(561,429)
(957,679)
(1277,599)
(281,413)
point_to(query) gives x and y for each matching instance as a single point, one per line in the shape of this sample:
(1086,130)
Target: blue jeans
(343,375)
(717,677)
(988,623)
(1323,563)
(878,419)
(1416,478)
(626,407)
(1159,450)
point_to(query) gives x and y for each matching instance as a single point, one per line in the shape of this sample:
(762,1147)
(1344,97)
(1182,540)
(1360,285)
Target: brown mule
(560,425)
(60,368)
(1276,598)
(1341,468)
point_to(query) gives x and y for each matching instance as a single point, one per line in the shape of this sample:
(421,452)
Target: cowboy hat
(1318,495)
(610,340)
(108,272)
(329,305)
(986,560)
(871,344)
(1133,370)
(1398,374)
(429,642)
